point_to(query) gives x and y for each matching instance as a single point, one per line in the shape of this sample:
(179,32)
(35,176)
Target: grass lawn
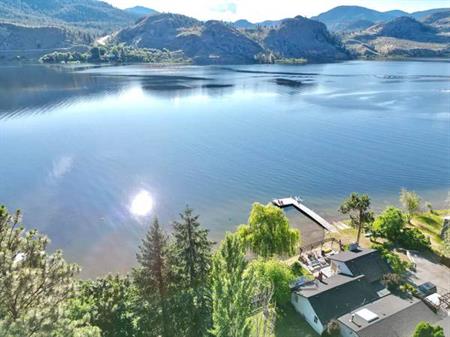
(431,224)
(291,324)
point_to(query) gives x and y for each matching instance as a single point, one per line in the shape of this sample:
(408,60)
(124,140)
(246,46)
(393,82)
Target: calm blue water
(78,144)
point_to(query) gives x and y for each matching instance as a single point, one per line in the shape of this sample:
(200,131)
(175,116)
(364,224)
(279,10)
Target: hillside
(339,18)
(300,37)
(82,14)
(439,20)
(203,42)
(346,18)
(16,40)
(402,37)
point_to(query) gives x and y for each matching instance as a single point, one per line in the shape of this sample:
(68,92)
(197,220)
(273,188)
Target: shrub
(413,238)
(392,281)
(425,329)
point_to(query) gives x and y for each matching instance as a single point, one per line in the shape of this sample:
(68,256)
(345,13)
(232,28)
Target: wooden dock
(286,202)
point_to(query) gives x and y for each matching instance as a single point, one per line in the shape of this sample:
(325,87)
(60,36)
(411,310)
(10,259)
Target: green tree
(35,286)
(268,232)
(276,273)
(425,329)
(358,208)
(152,279)
(390,224)
(191,263)
(233,287)
(108,304)
(410,201)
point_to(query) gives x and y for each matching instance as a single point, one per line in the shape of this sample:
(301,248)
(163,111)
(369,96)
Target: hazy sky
(257,10)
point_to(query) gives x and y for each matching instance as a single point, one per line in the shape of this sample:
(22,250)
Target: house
(348,288)
(320,302)
(390,316)
(354,296)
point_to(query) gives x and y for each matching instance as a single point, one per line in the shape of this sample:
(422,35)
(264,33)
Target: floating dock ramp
(286,202)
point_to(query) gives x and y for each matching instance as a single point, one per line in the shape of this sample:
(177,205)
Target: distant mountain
(423,14)
(300,37)
(245,24)
(140,11)
(338,18)
(210,42)
(343,18)
(82,14)
(403,36)
(439,20)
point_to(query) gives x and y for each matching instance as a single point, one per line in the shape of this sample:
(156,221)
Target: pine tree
(191,263)
(152,279)
(232,290)
(35,286)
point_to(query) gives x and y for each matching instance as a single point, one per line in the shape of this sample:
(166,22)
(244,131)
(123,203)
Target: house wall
(340,267)
(346,331)
(302,305)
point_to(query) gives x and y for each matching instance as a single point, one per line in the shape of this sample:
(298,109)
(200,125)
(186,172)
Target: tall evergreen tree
(232,290)
(152,279)
(191,263)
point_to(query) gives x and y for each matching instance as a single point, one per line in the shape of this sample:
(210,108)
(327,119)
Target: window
(316,319)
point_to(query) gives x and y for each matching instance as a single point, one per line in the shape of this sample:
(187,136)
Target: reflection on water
(91,154)
(142,204)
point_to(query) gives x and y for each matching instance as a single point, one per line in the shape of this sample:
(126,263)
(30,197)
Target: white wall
(346,331)
(340,267)
(302,305)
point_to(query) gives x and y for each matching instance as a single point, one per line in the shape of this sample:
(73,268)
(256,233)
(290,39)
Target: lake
(91,154)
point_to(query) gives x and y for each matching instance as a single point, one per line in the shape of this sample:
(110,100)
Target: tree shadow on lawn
(291,324)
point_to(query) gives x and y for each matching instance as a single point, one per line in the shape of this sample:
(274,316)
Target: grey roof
(349,255)
(366,262)
(338,295)
(398,317)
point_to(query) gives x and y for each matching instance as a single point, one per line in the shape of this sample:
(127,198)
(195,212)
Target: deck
(286,202)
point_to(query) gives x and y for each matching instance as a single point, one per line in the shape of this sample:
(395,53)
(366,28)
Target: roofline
(418,301)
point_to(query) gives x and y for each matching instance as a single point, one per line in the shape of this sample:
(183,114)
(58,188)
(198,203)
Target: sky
(259,10)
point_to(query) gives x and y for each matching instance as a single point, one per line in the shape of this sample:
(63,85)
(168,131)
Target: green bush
(413,238)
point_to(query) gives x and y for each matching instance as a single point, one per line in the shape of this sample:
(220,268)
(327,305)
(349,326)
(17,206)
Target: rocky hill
(203,42)
(300,37)
(403,36)
(218,42)
(82,14)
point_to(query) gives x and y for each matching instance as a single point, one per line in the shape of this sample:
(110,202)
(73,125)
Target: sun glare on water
(142,204)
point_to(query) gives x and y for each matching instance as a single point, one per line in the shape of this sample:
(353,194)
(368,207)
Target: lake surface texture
(92,154)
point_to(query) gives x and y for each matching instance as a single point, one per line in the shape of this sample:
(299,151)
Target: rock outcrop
(300,37)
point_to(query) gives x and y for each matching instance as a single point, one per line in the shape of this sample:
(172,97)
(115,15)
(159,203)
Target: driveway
(428,269)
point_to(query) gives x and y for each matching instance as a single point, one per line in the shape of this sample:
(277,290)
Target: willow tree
(35,286)
(268,232)
(358,208)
